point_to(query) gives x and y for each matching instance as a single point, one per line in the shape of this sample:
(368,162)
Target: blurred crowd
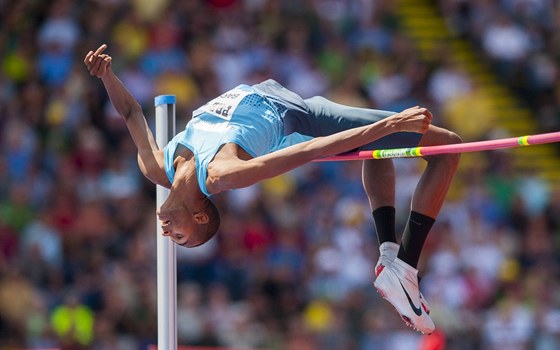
(292,265)
(521,42)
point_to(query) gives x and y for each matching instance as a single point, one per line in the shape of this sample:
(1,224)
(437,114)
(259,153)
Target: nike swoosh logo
(417,310)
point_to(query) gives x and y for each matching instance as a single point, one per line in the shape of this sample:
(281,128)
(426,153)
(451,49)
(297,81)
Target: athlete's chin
(188,244)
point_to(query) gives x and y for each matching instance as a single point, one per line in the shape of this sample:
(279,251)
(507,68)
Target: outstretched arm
(149,156)
(236,173)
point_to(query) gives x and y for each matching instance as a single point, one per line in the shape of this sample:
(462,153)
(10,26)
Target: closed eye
(178,237)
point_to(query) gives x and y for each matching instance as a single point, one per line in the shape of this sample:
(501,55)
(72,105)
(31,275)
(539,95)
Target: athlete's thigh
(334,117)
(330,117)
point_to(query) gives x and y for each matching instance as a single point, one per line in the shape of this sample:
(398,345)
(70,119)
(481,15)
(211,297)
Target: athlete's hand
(414,119)
(97,62)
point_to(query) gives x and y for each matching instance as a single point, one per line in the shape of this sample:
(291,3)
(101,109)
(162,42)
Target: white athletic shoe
(398,284)
(388,252)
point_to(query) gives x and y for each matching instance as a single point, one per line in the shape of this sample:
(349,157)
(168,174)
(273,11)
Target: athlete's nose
(166,231)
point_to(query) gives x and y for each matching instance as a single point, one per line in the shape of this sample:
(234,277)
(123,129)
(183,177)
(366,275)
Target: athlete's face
(176,220)
(178,229)
(182,217)
(180,223)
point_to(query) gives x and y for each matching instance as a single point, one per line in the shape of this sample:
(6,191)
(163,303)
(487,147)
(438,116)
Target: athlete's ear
(201,218)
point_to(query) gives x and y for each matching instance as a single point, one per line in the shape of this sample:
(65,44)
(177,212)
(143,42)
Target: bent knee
(453,137)
(435,136)
(439,136)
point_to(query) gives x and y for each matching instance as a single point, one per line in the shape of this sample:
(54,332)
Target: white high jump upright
(166,255)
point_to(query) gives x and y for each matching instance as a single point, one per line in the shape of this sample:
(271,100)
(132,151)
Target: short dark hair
(204,232)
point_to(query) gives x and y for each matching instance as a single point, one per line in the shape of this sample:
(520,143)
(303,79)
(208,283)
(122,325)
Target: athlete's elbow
(151,170)
(131,110)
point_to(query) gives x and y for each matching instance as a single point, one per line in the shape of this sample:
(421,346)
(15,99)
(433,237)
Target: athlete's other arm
(228,174)
(150,158)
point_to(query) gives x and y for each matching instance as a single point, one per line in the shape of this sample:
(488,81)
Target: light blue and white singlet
(266,117)
(241,116)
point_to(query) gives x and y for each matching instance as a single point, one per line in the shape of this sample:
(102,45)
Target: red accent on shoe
(379,269)
(425,309)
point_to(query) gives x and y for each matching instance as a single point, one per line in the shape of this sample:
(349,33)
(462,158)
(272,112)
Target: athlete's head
(189,227)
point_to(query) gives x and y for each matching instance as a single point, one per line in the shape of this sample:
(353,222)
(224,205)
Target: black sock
(414,236)
(384,218)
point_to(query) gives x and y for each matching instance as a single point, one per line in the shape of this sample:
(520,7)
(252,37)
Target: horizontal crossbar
(475,146)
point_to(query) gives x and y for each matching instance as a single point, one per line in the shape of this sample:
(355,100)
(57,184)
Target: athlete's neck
(185,182)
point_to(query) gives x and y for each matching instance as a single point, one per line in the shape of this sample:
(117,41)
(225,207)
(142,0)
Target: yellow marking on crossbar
(523,140)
